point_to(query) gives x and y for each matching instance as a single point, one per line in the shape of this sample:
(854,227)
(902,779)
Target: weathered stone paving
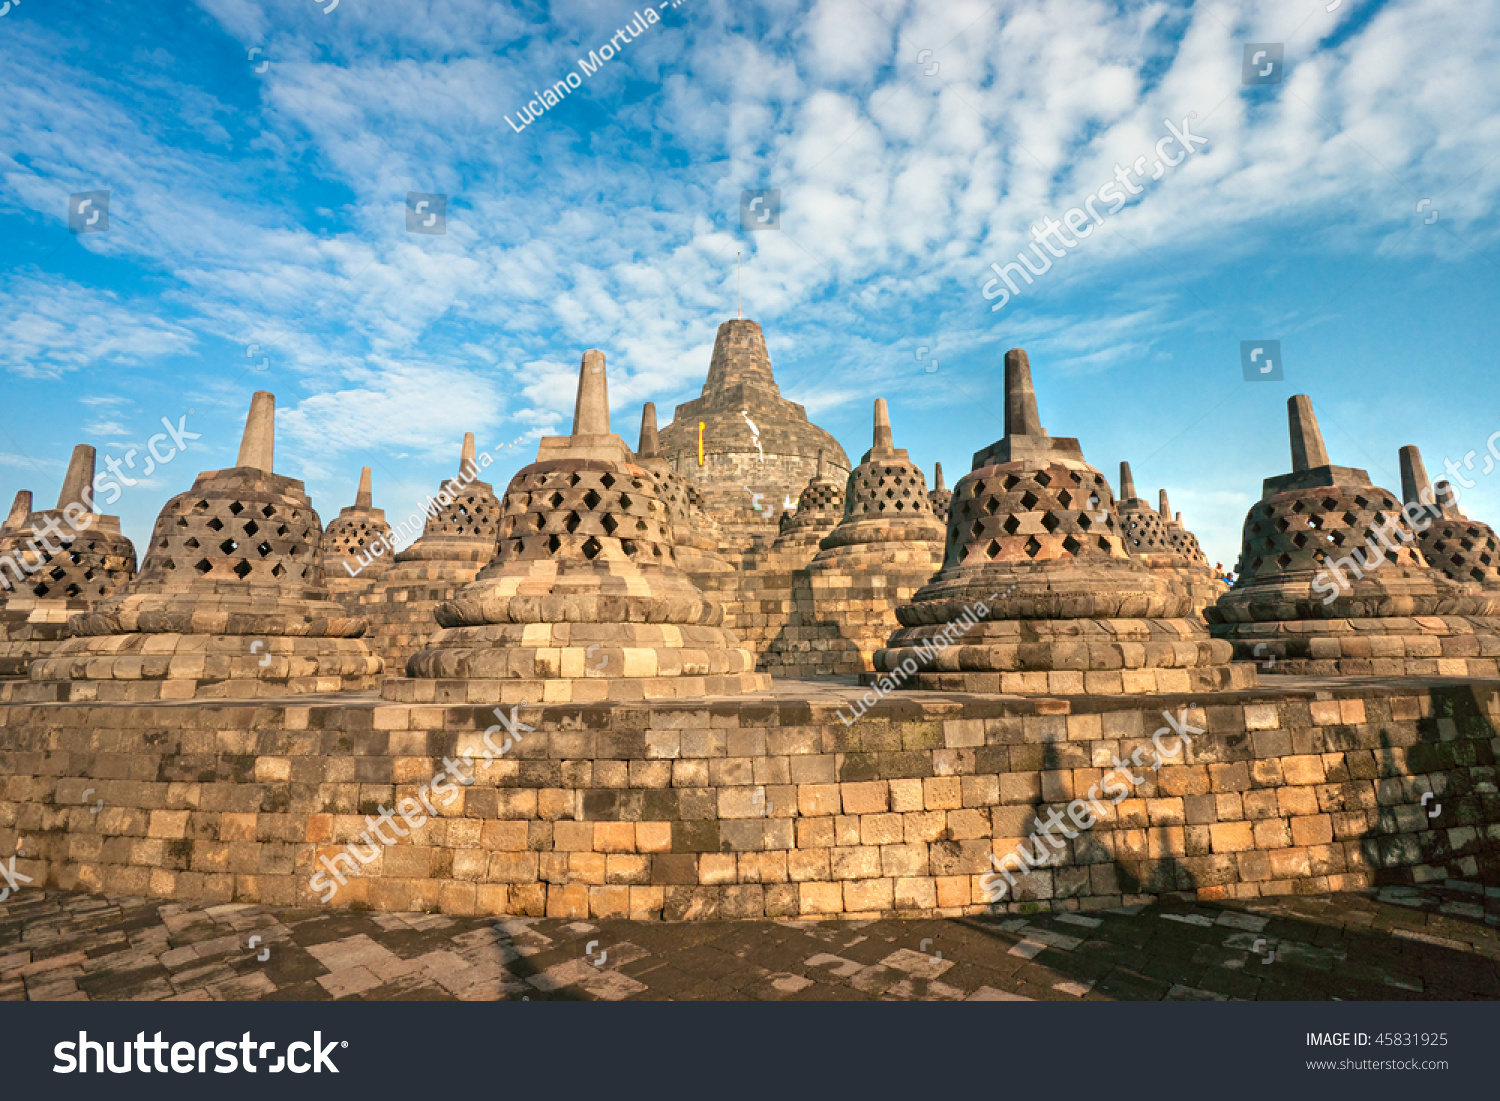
(1402,944)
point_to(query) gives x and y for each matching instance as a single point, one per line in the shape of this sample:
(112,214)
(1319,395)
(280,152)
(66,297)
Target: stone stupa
(695,533)
(941,495)
(1334,583)
(459,532)
(584,601)
(1038,594)
(76,558)
(1463,549)
(820,508)
(358,545)
(741,438)
(882,551)
(1164,545)
(230,601)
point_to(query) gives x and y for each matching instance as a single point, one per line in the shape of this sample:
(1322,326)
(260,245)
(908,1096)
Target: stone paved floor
(1402,944)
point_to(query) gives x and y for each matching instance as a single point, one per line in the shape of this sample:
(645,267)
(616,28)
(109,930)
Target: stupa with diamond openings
(1037,593)
(941,495)
(358,545)
(883,550)
(1333,580)
(70,559)
(695,533)
(820,509)
(1164,545)
(584,600)
(460,526)
(229,602)
(1465,550)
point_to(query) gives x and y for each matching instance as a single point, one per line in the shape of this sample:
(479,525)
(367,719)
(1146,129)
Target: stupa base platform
(1070,682)
(1446,646)
(571,689)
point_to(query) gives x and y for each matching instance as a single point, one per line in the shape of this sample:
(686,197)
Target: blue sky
(269,208)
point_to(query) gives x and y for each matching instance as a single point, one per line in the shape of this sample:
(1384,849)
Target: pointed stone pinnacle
(20,509)
(1178,520)
(650,442)
(258,444)
(1127,483)
(466,457)
(1308,451)
(78,485)
(1021,416)
(883,438)
(1413,476)
(591,410)
(821,475)
(1163,507)
(937,479)
(365,498)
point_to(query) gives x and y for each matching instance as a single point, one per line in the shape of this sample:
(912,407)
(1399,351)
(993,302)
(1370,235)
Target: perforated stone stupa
(1164,545)
(695,533)
(229,602)
(820,509)
(941,496)
(754,441)
(883,550)
(1038,594)
(459,536)
(358,545)
(1333,582)
(584,601)
(1465,550)
(76,558)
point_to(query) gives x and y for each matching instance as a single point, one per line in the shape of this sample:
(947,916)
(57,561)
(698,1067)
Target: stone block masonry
(753,807)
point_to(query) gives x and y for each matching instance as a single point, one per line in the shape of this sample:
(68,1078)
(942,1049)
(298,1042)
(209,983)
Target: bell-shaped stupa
(55,564)
(229,603)
(584,600)
(695,534)
(1333,580)
(820,509)
(1038,594)
(1463,549)
(358,545)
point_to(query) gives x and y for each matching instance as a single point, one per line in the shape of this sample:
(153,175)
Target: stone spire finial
(258,444)
(20,509)
(1021,416)
(1308,451)
(1127,482)
(937,479)
(740,360)
(1163,506)
(1179,518)
(1413,476)
(78,485)
(650,445)
(365,497)
(883,439)
(466,457)
(591,410)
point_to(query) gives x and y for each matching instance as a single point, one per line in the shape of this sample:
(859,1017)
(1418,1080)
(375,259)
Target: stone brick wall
(754,807)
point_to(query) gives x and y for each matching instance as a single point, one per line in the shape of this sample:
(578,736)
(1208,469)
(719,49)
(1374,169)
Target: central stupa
(758,449)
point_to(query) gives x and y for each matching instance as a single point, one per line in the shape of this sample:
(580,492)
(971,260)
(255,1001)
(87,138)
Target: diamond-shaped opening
(250,527)
(1085,521)
(1297,506)
(557,500)
(1032,547)
(263,549)
(1042,479)
(216,524)
(591,548)
(993,549)
(1029,499)
(1010,482)
(72,590)
(182,521)
(268,512)
(1283,524)
(278,570)
(1011,525)
(1360,502)
(625,501)
(1065,499)
(1299,540)
(628,546)
(1071,545)
(236,508)
(539,520)
(1330,503)
(1283,560)
(1350,518)
(609,523)
(1467,544)
(1051,522)
(229,546)
(190,543)
(242,568)
(553,542)
(591,499)
(641,525)
(571,523)
(1255,529)
(607,481)
(203,565)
